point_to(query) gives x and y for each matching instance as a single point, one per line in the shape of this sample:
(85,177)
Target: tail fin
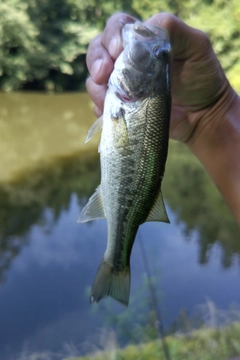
(109,282)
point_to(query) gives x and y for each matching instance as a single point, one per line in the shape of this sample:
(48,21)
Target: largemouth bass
(133,152)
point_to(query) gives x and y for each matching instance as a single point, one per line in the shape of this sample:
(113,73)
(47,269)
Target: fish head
(143,63)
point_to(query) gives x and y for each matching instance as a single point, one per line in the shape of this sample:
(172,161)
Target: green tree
(18,45)
(43,43)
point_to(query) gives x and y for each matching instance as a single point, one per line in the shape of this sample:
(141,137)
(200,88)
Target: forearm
(217,145)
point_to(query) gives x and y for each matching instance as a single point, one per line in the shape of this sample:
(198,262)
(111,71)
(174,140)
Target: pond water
(48,261)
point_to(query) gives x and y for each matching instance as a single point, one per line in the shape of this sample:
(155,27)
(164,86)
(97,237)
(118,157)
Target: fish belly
(132,173)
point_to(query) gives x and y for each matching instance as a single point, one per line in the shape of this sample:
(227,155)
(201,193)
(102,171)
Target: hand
(205,109)
(198,81)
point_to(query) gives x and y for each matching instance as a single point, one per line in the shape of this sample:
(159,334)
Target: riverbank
(203,344)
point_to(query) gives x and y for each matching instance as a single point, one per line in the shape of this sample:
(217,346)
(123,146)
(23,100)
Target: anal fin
(158,211)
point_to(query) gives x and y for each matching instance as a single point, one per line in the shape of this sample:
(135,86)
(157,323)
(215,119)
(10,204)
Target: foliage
(43,43)
(18,45)
(204,344)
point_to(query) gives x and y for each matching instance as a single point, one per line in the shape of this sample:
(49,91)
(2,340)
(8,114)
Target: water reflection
(47,260)
(187,190)
(198,205)
(23,202)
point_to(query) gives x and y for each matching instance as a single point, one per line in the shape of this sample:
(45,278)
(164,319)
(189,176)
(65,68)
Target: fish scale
(133,152)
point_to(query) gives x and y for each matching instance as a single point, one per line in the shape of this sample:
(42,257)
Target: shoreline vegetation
(217,337)
(43,44)
(202,344)
(208,333)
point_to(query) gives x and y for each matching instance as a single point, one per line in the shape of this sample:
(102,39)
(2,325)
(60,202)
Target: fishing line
(155,303)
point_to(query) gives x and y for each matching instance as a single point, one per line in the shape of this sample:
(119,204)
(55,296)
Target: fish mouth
(130,85)
(127,96)
(143,30)
(123,89)
(134,77)
(140,31)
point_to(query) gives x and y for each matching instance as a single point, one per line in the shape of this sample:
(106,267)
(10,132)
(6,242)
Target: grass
(203,344)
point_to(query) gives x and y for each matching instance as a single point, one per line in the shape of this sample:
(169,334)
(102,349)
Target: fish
(133,152)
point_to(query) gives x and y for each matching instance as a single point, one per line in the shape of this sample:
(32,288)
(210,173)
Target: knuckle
(94,42)
(165,20)
(204,40)
(119,19)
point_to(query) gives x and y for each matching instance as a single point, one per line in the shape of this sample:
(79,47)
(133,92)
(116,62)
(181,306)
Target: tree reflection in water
(186,188)
(24,200)
(198,206)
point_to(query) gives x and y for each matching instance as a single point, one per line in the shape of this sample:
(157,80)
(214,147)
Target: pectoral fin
(94,128)
(120,131)
(158,212)
(94,208)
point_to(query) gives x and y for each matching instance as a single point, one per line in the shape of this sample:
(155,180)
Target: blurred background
(47,173)
(43,43)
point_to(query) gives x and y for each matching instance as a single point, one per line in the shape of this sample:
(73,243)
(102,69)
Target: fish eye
(161,53)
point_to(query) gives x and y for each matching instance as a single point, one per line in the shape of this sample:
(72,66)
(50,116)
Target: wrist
(217,125)
(216,143)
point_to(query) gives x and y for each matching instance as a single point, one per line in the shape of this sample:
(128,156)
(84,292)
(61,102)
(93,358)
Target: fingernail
(96,68)
(114,47)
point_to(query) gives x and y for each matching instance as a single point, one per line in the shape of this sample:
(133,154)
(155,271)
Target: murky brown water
(37,128)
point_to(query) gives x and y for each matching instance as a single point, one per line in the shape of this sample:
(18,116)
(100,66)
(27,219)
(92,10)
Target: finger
(96,92)
(105,48)
(186,41)
(99,62)
(112,35)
